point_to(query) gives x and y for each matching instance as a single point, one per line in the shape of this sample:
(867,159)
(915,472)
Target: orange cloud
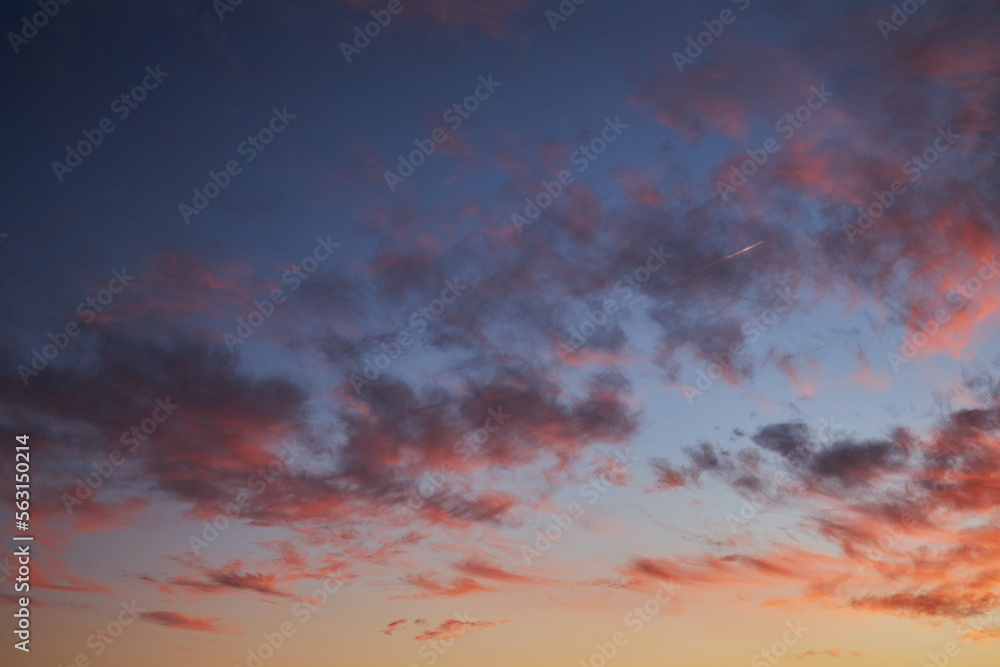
(172,619)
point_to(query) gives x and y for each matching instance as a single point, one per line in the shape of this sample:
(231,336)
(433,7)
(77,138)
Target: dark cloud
(898,508)
(851,462)
(789,440)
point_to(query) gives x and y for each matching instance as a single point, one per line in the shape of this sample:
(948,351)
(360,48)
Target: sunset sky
(399,333)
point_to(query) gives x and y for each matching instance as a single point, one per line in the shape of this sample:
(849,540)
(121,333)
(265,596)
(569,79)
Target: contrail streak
(742,251)
(707,266)
(720,261)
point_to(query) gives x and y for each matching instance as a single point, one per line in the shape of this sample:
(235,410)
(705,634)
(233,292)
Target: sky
(582,333)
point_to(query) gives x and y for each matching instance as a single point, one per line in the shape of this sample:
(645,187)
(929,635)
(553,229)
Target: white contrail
(707,266)
(742,251)
(720,261)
